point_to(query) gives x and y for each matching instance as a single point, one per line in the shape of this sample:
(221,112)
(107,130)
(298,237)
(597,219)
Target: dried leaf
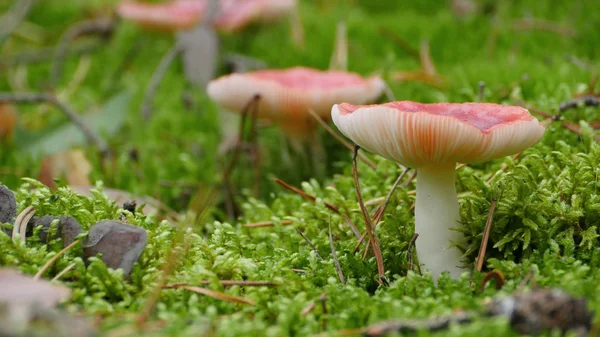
(218,295)
(17,289)
(73,165)
(8,120)
(200,54)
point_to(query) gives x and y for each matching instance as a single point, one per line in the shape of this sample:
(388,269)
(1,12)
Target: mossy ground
(546,219)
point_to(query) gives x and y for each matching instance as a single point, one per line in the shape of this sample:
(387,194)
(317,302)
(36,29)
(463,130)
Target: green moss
(546,217)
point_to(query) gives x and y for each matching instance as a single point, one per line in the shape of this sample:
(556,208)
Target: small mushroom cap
(166,16)
(237,14)
(287,94)
(416,134)
(232,15)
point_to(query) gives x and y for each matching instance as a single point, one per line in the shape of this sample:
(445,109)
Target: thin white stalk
(436,212)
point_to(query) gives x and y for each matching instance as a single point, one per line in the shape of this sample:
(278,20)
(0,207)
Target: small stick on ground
(338,267)
(495,275)
(400,42)
(410,179)
(425,58)
(486,235)
(339,57)
(20,226)
(481,91)
(12,18)
(370,230)
(226,283)
(411,248)
(310,307)
(587,100)
(216,295)
(323,300)
(529,277)
(459,166)
(53,259)
(157,76)
(340,139)
(262,224)
(63,272)
(328,205)
(102,26)
(309,243)
(389,94)
(381,209)
(41,97)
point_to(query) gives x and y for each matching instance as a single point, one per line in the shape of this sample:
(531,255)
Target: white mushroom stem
(436,212)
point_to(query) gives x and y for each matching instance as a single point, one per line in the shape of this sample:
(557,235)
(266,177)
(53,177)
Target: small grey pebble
(8,205)
(67,228)
(120,244)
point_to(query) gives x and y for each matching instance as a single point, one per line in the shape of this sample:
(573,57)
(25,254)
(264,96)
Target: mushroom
(432,138)
(287,94)
(232,15)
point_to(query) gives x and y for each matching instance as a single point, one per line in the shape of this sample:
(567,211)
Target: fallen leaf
(17,289)
(8,120)
(73,165)
(62,137)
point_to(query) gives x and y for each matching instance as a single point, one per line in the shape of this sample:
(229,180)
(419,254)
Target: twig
(63,272)
(11,19)
(400,42)
(339,57)
(486,235)
(35,97)
(544,25)
(577,129)
(157,76)
(481,91)
(266,224)
(216,294)
(530,275)
(226,283)
(338,267)
(459,166)
(411,247)
(425,58)
(495,275)
(53,259)
(374,241)
(388,92)
(328,205)
(323,300)
(340,139)
(44,54)
(381,209)
(103,26)
(410,179)
(587,100)
(310,307)
(309,243)
(20,226)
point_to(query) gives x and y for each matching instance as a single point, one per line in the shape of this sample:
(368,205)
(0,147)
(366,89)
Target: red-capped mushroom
(232,15)
(431,138)
(287,94)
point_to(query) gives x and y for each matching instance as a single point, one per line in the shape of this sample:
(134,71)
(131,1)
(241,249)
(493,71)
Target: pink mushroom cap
(232,15)
(287,94)
(417,134)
